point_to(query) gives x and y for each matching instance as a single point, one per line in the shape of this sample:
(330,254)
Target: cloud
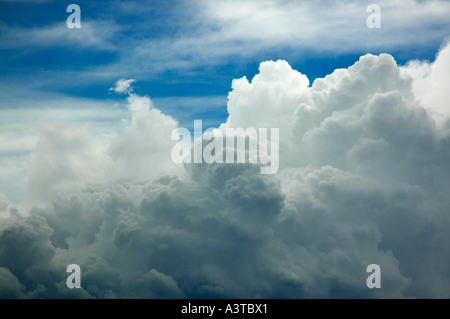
(208,33)
(430,83)
(123,86)
(70,159)
(306,24)
(97,35)
(25,112)
(363,179)
(204,34)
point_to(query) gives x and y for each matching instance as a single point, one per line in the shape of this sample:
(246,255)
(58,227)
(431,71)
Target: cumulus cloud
(123,86)
(25,111)
(363,179)
(69,159)
(431,84)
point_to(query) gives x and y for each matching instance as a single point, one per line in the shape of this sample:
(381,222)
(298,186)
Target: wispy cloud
(95,35)
(194,35)
(215,33)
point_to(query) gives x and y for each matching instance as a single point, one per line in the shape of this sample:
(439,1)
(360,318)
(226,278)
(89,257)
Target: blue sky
(183,54)
(122,38)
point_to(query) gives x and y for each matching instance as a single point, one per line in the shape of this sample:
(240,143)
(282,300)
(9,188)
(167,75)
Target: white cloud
(27,114)
(431,85)
(205,33)
(325,25)
(96,35)
(363,179)
(25,111)
(70,159)
(212,33)
(123,86)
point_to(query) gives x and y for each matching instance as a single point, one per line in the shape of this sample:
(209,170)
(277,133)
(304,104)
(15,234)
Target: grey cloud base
(364,178)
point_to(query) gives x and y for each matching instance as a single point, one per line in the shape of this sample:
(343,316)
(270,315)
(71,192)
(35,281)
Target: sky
(86,175)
